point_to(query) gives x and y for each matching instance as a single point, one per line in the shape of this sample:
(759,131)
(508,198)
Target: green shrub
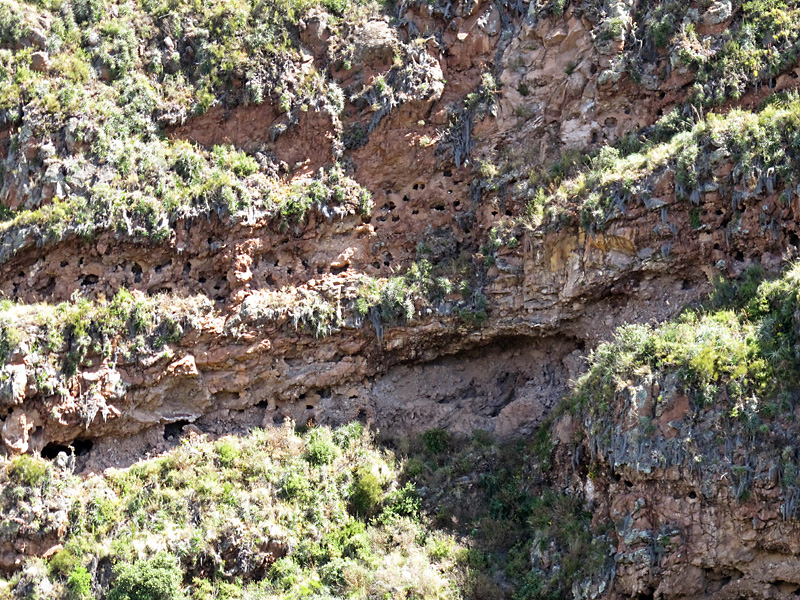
(80,583)
(284,573)
(482,438)
(13,26)
(346,435)
(367,493)
(320,448)
(230,159)
(414,467)
(28,471)
(227,453)
(295,484)
(403,502)
(669,126)
(557,7)
(397,301)
(354,541)
(436,440)
(63,562)
(531,588)
(333,573)
(87,11)
(336,7)
(441,548)
(157,578)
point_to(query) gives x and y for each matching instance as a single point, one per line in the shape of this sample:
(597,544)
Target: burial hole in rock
(51,450)
(82,447)
(49,287)
(174,430)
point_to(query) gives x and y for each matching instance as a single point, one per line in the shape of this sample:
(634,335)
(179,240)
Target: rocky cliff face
(700,505)
(440,139)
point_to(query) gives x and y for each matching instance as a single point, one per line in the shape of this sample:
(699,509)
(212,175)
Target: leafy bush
(63,562)
(157,578)
(402,502)
(87,11)
(367,493)
(227,453)
(79,583)
(296,484)
(242,165)
(320,447)
(13,25)
(284,573)
(28,471)
(10,337)
(436,440)
(347,435)
(333,573)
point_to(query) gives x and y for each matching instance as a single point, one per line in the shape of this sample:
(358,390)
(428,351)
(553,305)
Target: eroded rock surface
(429,104)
